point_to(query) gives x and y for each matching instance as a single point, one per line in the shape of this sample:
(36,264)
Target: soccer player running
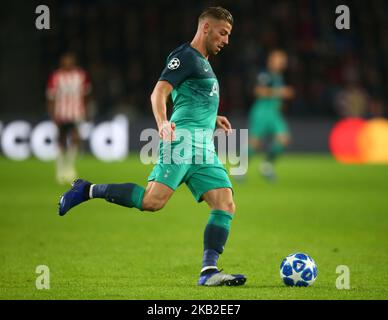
(189,78)
(67,91)
(265,117)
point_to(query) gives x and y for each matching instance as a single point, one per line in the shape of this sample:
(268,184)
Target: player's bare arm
(159,108)
(223,123)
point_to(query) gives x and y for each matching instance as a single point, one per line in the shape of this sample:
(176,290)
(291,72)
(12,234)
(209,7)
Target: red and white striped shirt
(68,89)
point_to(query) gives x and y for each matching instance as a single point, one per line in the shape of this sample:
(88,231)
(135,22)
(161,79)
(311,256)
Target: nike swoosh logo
(206,70)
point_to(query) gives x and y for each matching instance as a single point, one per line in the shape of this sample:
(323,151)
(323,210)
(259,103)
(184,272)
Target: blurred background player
(265,117)
(67,91)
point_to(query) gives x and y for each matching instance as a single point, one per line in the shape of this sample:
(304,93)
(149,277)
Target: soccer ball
(298,269)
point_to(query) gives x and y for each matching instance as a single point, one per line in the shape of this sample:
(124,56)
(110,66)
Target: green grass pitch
(338,214)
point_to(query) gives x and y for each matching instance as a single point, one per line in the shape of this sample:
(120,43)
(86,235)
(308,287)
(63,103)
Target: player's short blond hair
(218,13)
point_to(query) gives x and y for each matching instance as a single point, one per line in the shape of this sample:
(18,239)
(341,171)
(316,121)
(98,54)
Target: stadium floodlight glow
(15,140)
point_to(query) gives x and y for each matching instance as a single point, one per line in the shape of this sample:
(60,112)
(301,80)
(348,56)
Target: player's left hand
(223,123)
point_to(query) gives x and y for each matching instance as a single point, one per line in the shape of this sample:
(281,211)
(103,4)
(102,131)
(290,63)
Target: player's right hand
(167,131)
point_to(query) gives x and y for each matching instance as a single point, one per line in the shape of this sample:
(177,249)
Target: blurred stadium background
(123,45)
(337,214)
